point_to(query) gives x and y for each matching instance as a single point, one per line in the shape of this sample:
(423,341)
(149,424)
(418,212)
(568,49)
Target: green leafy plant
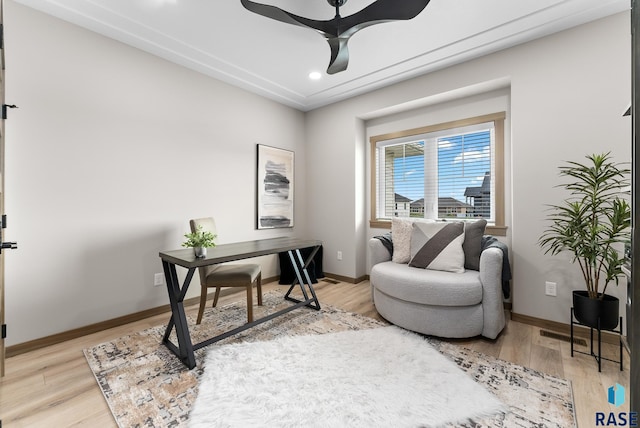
(591,221)
(200,238)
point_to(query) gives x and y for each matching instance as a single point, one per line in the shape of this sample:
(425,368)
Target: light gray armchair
(438,303)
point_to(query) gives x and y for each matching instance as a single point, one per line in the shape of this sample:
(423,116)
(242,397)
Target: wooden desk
(226,253)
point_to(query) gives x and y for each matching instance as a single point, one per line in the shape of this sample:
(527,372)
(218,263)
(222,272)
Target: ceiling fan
(338,31)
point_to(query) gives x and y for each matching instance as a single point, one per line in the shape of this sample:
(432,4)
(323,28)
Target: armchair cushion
(437,288)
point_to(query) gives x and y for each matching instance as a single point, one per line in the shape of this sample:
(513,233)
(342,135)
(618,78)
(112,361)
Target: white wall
(109,155)
(566,96)
(570,107)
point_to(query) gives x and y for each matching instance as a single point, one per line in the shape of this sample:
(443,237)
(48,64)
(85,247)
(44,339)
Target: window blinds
(444,174)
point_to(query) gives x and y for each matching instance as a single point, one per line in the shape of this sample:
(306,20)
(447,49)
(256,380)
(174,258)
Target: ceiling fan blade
(339,55)
(278,14)
(383,11)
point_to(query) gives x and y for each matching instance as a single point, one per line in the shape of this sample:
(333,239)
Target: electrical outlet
(339,255)
(158,279)
(550,288)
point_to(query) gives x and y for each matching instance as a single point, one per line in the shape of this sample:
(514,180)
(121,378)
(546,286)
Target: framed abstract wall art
(274,188)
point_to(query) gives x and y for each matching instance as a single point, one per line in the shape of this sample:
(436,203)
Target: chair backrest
(209,225)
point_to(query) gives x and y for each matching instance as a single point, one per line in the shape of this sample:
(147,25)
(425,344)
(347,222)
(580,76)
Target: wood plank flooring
(53,386)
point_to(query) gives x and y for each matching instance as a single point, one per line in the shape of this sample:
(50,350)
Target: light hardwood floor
(53,386)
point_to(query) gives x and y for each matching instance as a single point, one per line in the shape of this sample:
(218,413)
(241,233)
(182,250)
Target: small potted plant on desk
(589,224)
(200,240)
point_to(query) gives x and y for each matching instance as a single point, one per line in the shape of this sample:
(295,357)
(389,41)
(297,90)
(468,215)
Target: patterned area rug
(535,399)
(145,385)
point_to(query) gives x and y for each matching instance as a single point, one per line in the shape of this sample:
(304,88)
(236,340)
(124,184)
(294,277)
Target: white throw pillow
(401,236)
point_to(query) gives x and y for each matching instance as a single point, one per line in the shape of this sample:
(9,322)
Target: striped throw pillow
(438,246)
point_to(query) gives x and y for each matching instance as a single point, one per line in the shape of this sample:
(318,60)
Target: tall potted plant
(590,224)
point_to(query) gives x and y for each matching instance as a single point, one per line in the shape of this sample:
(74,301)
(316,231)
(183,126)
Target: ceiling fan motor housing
(335,3)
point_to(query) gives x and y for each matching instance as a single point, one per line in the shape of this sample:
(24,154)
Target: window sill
(496,230)
(489,230)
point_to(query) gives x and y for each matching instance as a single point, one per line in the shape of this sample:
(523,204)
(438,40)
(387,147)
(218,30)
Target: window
(447,171)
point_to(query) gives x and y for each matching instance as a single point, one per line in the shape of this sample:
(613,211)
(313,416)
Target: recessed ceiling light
(315,75)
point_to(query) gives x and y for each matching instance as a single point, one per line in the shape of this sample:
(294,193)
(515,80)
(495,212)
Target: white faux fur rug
(380,377)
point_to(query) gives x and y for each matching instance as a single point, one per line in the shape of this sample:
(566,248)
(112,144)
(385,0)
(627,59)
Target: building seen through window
(477,203)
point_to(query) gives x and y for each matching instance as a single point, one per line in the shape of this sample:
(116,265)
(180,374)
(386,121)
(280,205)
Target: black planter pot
(588,310)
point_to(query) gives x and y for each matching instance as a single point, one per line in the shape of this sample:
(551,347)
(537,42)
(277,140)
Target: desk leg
(184,351)
(302,278)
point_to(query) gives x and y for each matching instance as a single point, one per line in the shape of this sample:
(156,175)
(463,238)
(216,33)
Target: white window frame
(496,225)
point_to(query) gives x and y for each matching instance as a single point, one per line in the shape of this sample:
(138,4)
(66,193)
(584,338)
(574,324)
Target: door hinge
(5,107)
(4,331)
(5,245)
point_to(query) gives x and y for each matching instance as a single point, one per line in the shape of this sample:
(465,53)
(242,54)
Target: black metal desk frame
(599,356)
(225,253)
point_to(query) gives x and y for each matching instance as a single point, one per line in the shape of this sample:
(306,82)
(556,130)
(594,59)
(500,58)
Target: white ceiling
(225,41)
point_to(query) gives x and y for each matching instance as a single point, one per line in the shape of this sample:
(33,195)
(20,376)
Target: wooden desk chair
(226,275)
